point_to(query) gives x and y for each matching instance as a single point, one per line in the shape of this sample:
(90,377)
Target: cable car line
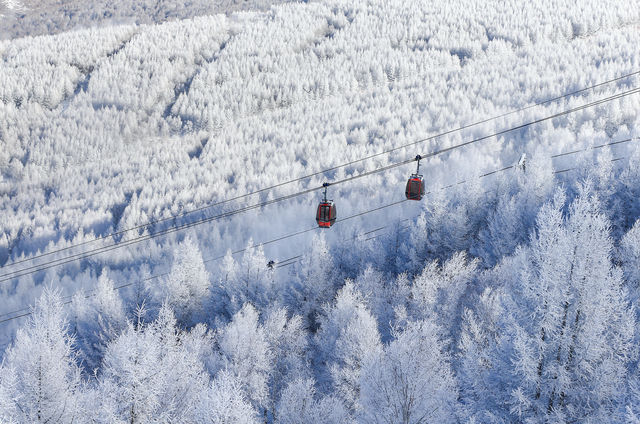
(305,231)
(537,121)
(285,263)
(84,255)
(222,256)
(240,251)
(280,264)
(466,126)
(613,143)
(596,147)
(62,261)
(577,167)
(96,251)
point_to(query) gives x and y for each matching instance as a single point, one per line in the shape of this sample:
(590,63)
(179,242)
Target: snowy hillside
(8,9)
(42,17)
(507,280)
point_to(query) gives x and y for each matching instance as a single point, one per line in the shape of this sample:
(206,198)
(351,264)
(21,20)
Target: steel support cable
(577,167)
(287,262)
(233,253)
(442,134)
(240,251)
(537,121)
(62,261)
(626,140)
(83,255)
(99,250)
(153,277)
(79,256)
(281,263)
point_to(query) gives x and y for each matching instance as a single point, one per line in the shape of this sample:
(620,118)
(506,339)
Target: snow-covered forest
(136,271)
(20,18)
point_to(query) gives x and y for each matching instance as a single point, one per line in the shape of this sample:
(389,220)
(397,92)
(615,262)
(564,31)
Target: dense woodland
(22,18)
(500,297)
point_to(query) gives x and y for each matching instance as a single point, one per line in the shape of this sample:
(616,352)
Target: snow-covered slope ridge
(41,17)
(105,129)
(502,296)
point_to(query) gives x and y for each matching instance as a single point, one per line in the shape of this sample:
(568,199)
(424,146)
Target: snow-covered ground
(107,128)
(20,18)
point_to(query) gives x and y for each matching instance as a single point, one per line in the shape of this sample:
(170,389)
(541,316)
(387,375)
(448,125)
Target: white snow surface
(103,129)
(42,17)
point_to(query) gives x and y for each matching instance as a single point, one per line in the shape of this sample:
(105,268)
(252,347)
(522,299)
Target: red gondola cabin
(415,187)
(326,215)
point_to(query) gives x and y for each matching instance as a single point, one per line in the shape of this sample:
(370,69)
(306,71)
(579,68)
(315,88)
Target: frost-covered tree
(255,284)
(244,352)
(567,328)
(150,375)
(249,281)
(300,404)
(476,362)
(628,193)
(512,216)
(410,381)
(315,280)
(99,319)
(40,378)
(630,258)
(287,341)
(223,296)
(8,407)
(225,402)
(447,224)
(186,287)
(437,292)
(348,334)
(379,296)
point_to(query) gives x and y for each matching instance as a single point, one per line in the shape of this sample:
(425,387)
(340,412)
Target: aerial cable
(577,167)
(466,126)
(626,140)
(222,256)
(288,262)
(285,262)
(537,121)
(62,261)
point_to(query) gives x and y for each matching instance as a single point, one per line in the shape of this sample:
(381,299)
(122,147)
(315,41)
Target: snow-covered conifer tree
(299,404)
(186,286)
(379,296)
(244,352)
(288,343)
(438,290)
(249,281)
(255,284)
(348,334)
(99,319)
(149,374)
(410,381)
(225,402)
(513,215)
(224,299)
(630,258)
(40,377)
(316,277)
(567,327)
(8,407)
